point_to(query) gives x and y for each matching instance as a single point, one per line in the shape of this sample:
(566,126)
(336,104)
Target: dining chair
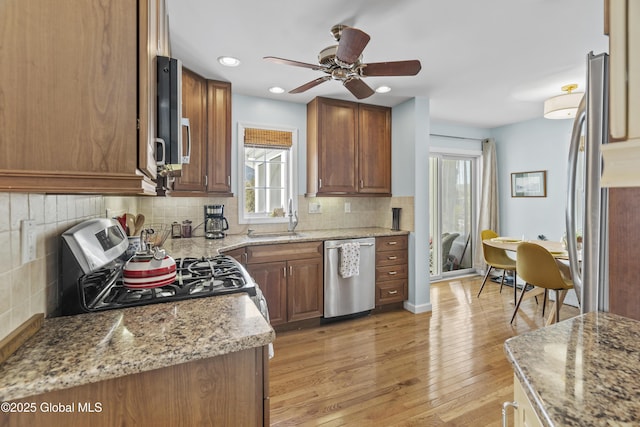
(498,259)
(537,267)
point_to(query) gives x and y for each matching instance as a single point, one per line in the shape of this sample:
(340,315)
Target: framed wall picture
(529,184)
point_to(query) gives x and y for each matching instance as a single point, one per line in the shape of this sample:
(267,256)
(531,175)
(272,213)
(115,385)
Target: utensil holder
(395,219)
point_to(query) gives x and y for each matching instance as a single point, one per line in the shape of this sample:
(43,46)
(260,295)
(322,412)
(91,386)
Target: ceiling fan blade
(294,63)
(358,88)
(352,43)
(311,84)
(397,68)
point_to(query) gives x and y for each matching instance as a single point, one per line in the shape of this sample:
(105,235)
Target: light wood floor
(446,367)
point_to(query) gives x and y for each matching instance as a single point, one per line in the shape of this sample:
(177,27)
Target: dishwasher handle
(340,246)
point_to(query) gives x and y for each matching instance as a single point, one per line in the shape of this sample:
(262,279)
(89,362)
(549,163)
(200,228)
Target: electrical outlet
(28,240)
(315,208)
(347,207)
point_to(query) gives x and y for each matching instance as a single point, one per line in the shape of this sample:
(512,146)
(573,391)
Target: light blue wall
(268,112)
(539,144)
(410,177)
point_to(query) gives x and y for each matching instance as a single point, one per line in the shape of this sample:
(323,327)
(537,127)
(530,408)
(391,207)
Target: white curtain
(488,215)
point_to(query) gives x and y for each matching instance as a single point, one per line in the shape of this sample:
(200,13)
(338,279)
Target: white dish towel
(349,260)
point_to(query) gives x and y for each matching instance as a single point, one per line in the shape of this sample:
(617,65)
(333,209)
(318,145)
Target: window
(267,165)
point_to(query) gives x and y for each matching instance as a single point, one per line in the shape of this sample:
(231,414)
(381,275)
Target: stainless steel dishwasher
(355,294)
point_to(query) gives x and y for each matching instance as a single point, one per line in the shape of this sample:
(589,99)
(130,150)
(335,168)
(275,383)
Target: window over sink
(267,168)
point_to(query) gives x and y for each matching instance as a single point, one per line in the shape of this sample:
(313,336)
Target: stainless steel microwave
(171,152)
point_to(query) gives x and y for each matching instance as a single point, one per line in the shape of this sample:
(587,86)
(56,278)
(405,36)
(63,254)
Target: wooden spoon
(139,223)
(131,224)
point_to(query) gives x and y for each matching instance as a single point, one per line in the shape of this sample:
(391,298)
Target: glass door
(452,212)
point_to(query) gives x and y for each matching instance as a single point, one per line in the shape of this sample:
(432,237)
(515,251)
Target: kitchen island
(581,372)
(194,360)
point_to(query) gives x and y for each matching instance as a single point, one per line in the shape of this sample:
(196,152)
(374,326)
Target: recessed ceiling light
(276,89)
(383,89)
(229,61)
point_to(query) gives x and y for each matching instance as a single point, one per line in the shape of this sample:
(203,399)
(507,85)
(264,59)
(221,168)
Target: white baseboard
(417,309)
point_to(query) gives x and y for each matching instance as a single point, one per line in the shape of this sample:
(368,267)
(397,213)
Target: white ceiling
(485,63)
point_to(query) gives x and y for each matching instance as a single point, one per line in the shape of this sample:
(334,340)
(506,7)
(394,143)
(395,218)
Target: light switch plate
(347,207)
(28,240)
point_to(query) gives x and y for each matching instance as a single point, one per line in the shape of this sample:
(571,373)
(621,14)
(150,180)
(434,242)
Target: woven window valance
(267,138)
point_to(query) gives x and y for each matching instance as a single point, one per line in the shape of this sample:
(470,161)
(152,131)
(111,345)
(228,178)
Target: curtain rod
(456,137)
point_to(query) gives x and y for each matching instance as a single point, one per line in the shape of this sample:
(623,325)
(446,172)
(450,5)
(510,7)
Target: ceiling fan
(343,62)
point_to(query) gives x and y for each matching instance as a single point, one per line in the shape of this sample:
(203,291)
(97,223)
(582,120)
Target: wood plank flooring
(441,368)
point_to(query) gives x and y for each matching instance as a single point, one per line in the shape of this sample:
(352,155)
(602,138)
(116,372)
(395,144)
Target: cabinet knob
(392,257)
(392,273)
(392,243)
(392,292)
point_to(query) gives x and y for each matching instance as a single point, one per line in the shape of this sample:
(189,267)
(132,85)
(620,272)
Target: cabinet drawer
(391,272)
(394,257)
(391,291)
(391,243)
(283,252)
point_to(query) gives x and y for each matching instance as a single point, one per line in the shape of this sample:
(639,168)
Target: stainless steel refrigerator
(587,201)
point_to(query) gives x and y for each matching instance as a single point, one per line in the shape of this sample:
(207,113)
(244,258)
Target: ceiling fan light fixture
(563,106)
(276,89)
(383,89)
(228,61)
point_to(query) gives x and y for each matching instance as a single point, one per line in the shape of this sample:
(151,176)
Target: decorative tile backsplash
(364,212)
(31,287)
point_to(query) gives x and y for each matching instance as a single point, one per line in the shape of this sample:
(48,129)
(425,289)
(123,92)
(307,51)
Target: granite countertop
(582,371)
(199,246)
(76,350)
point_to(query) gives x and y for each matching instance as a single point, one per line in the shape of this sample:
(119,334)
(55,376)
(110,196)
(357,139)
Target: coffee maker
(215,223)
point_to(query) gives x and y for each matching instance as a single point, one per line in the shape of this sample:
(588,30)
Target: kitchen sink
(267,234)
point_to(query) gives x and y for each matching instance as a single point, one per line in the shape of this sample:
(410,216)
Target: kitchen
(56,213)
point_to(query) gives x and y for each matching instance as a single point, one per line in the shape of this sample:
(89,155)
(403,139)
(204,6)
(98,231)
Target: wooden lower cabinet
(290,276)
(524,414)
(392,270)
(226,390)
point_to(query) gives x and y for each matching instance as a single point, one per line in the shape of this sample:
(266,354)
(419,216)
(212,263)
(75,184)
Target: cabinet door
(239,255)
(219,138)
(337,146)
(305,289)
(374,149)
(624,69)
(271,278)
(194,107)
(69,105)
(153,42)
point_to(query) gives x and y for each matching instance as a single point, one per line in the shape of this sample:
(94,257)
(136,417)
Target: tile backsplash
(31,287)
(365,212)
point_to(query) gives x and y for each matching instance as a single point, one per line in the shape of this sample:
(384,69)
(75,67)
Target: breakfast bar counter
(75,350)
(581,372)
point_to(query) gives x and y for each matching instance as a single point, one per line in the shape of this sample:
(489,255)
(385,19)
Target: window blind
(254,137)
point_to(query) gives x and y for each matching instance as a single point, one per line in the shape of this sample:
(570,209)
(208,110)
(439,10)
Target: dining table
(557,249)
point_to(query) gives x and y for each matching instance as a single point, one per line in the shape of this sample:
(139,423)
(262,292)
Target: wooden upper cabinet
(348,148)
(69,106)
(207,105)
(624,69)
(219,134)
(194,107)
(374,149)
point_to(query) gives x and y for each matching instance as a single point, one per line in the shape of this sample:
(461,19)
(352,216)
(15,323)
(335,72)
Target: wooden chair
(497,258)
(537,267)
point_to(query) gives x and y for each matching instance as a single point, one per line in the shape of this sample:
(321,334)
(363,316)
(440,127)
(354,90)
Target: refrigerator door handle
(572,248)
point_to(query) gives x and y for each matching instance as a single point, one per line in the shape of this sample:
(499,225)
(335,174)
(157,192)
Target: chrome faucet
(292,222)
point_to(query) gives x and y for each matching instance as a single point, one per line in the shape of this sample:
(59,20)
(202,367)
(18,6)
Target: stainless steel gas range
(93,258)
